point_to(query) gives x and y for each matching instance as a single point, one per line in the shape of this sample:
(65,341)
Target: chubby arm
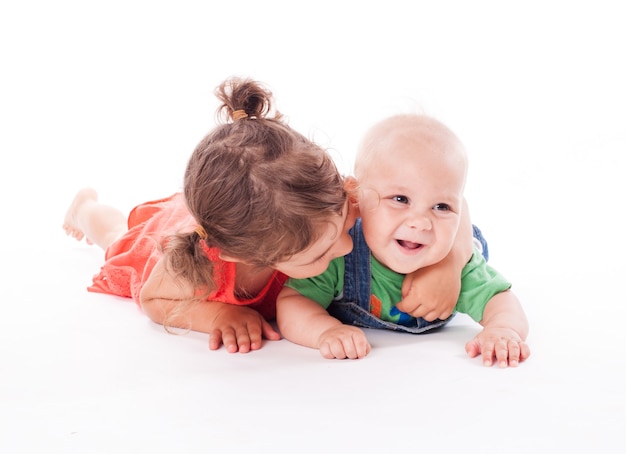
(432,292)
(239,328)
(505,328)
(304,322)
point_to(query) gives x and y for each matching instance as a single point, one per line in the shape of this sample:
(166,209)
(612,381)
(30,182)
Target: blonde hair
(429,128)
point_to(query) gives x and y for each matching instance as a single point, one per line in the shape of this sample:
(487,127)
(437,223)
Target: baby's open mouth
(409,244)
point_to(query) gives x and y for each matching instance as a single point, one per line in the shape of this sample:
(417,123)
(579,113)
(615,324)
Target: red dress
(130,260)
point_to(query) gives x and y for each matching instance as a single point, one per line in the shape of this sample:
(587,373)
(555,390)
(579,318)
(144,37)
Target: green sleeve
(479,283)
(323,288)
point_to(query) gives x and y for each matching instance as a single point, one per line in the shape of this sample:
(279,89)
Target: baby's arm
(239,328)
(303,321)
(432,292)
(504,333)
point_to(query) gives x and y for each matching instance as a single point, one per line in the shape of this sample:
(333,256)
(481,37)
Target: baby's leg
(87,218)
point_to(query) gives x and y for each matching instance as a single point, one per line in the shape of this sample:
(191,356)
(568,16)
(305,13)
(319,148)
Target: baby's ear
(351,186)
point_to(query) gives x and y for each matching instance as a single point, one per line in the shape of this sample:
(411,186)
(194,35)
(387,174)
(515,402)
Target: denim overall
(352,306)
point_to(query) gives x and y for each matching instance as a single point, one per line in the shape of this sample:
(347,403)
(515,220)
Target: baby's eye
(441,207)
(400,199)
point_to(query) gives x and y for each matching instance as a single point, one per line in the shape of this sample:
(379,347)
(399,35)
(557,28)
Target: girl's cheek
(345,246)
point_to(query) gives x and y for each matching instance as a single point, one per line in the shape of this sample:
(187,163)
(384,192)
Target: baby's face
(335,242)
(410,203)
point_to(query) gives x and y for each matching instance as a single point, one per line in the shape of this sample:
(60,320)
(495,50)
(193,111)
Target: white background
(117,94)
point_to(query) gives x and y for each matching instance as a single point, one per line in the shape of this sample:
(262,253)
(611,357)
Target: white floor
(119,103)
(84,372)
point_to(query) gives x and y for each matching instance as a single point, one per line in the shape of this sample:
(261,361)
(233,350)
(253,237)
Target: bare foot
(71,225)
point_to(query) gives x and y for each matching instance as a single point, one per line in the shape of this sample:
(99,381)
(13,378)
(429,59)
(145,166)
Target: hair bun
(244,98)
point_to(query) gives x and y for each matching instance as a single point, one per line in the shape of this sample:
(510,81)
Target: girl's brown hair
(259,189)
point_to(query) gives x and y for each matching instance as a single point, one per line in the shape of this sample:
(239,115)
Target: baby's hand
(503,344)
(239,328)
(344,342)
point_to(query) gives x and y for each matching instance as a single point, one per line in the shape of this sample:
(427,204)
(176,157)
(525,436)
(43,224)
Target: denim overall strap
(357,279)
(482,243)
(353,306)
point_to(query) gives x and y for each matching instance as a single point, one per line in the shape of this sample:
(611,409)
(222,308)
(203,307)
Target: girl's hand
(239,328)
(430,294)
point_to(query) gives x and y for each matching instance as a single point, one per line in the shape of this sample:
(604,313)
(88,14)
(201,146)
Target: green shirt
(479,282)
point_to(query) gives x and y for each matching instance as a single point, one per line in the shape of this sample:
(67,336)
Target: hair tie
(201,232)
(239,114)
